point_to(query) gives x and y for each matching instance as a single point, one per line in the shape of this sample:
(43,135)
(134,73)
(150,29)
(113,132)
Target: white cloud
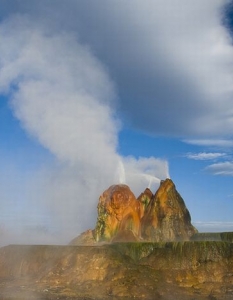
(223,168)
(205,155)
(172,61)
(210,142)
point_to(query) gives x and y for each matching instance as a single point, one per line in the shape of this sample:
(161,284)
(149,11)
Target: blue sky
(94,93)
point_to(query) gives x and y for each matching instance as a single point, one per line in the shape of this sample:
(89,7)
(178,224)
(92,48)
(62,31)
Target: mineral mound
(159,217)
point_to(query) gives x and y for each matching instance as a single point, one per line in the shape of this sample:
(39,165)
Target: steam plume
(64,97)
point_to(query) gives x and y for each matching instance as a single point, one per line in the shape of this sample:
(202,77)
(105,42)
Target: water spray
(121,172)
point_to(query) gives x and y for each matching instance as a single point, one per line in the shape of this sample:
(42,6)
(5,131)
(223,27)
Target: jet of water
(121,172)
(151,179)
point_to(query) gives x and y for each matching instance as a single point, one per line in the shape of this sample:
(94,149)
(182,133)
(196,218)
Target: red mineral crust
(119,215)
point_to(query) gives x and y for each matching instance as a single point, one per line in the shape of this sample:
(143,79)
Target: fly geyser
(144,248)
(159,217)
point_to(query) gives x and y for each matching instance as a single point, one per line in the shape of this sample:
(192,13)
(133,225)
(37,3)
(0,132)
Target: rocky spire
(167,217)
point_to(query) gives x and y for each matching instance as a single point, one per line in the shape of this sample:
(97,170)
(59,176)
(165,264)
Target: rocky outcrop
(145,199)
(167,218)
(159,217)
(118,215)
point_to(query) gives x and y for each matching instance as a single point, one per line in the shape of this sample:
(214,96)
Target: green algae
(177,254)
(145,200)
(136,250)
(201,250)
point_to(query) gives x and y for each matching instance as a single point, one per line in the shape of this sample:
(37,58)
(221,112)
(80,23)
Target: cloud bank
(171,60)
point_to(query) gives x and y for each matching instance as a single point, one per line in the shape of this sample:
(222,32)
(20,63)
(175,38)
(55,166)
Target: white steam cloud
(64,97)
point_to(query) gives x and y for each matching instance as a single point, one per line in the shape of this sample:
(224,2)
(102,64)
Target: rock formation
(166,217)
(118,215)
(159,217)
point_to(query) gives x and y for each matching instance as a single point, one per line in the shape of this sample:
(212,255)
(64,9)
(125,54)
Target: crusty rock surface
(160,217)
(118,212)
(166,271)
(166,217)
(145,199)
